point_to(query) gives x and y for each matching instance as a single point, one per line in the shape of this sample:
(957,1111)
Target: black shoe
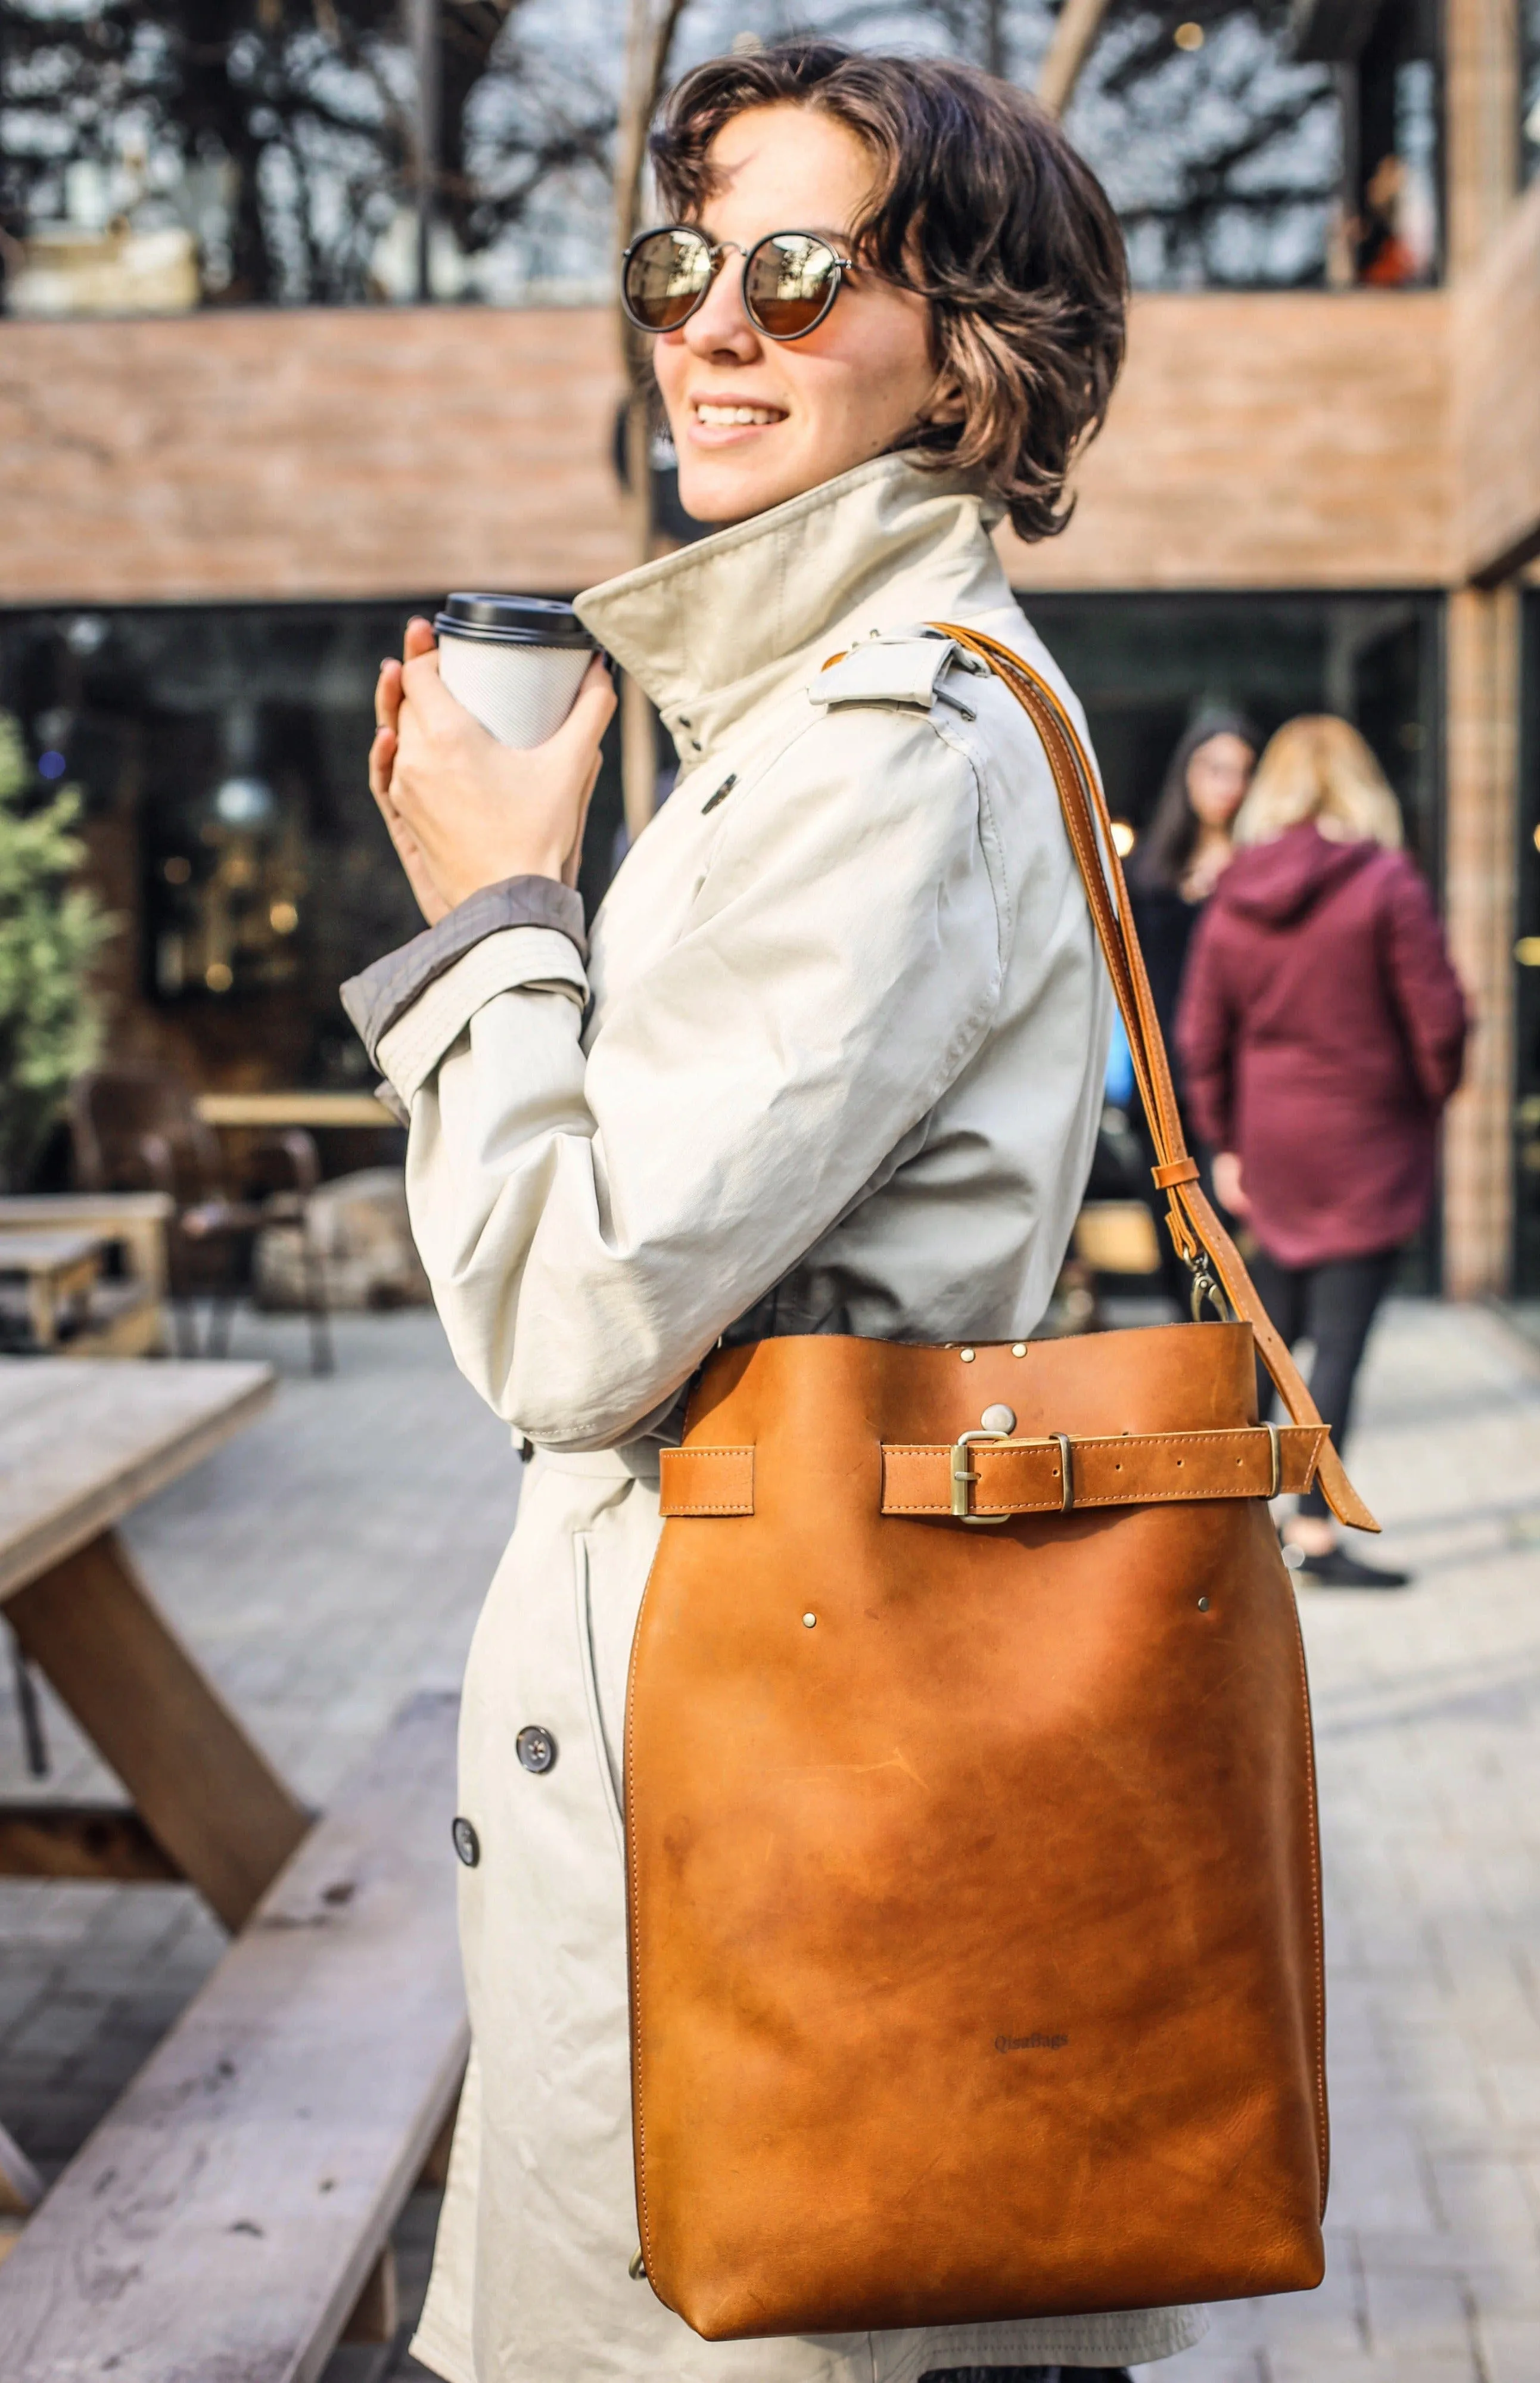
(1338,1568)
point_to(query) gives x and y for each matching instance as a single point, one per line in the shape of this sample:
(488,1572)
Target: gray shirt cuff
(387,989)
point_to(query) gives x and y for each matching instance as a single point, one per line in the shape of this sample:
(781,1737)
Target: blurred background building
(306,321)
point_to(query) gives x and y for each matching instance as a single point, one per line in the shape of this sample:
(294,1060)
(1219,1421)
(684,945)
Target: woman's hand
(465,811)
(1226,1184)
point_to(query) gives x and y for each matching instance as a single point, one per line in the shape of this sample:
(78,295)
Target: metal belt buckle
(964,1479)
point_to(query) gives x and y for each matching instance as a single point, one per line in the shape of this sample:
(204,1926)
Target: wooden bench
(233,2212)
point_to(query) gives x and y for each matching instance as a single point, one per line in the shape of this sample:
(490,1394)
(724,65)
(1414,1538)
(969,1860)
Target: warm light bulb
(1125,838)
(283,918)
(218,976)
(1189,36)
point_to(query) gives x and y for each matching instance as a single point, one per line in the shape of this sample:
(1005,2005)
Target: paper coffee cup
(514,662)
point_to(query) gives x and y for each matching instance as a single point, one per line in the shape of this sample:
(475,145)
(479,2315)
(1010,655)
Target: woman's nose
(719,326)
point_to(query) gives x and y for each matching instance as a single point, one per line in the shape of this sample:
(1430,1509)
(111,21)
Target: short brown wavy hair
(982,206)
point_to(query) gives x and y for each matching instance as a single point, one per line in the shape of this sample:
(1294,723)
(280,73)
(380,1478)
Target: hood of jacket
(720,627)
(1280,880)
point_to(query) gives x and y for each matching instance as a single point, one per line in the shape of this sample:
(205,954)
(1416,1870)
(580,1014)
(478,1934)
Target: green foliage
(50,931)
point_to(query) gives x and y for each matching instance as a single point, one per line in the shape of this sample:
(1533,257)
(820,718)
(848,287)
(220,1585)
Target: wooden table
(276,1110)
(126,1318)
(80,1446)
(58,1270)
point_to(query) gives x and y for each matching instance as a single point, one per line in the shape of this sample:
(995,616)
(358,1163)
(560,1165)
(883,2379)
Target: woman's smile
(728,421)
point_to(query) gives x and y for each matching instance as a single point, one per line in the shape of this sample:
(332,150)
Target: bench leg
(208,1796)
(376,2313)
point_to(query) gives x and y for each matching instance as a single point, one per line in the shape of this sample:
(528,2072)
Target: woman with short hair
(830,1059)
(1322,1030)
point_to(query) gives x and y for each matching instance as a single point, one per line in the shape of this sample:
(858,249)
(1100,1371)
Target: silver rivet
(1203,1605)
(810,1621)
(1018,1347)
(969,1355)
(998,1418)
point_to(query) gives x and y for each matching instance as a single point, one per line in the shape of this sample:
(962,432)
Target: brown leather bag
(974,1890)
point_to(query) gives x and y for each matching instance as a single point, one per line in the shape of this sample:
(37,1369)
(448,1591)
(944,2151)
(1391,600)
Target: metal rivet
(969,1355)
(1203,1605)
(998,1418)
(810,1621)
(1018,1347)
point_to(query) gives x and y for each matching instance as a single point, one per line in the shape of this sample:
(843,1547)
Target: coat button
(467,1844)
(536,1749)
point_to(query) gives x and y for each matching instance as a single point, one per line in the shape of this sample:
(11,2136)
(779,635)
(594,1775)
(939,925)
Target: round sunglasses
(791,279)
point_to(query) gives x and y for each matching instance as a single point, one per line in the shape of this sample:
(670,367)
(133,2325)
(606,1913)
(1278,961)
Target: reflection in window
(157,155)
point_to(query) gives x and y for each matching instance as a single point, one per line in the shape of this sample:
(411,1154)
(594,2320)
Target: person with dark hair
(828,1060)
(1178,860)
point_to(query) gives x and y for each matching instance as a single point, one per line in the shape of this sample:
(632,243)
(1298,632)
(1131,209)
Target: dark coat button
(467,1844)
(536,1749)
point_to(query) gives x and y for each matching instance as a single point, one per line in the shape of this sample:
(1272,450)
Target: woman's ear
(945,403)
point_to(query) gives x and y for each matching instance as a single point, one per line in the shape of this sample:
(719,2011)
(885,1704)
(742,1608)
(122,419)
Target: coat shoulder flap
(902,666)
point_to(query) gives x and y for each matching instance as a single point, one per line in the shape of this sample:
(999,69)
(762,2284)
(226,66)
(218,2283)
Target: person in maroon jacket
(1322,1029)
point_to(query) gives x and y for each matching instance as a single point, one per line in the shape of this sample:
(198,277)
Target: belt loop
(1067,1473)
(1272,1431)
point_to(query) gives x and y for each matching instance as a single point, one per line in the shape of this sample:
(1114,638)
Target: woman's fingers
(574,861)
(419,638)
(382,755)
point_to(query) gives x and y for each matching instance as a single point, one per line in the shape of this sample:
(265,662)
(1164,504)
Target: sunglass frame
(715,251)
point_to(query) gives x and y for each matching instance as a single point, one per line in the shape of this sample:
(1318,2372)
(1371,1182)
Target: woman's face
(757,420)
(1217,777)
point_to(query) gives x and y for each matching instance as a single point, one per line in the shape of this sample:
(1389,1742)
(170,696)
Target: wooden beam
(206,1793)
(21,2185)
(1480,125)
(1075,32)
(1481,843)
(376,2311)
(79,1841)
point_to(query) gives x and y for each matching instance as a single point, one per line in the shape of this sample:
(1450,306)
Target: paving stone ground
(333,1558)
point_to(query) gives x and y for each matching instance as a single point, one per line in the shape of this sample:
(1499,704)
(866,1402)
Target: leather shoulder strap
(1202,1241)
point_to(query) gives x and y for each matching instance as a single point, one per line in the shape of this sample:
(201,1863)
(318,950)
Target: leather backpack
(974,1890)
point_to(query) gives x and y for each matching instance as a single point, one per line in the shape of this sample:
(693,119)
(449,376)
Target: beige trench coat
(834,1064)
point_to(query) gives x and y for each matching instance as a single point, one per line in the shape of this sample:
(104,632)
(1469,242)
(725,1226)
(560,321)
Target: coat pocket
(606,1731)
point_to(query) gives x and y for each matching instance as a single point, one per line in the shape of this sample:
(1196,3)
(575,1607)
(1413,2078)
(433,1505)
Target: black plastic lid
(512,621)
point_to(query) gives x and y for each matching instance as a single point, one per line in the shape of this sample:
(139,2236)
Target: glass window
(157,155)
(221,752)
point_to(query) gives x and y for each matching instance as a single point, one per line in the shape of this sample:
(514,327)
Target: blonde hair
(1319,768)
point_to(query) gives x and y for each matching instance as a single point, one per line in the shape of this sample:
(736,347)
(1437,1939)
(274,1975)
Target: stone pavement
(1426,1706)
(333,1558)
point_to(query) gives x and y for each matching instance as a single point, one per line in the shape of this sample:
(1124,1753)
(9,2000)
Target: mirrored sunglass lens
(789,282)
(665,277)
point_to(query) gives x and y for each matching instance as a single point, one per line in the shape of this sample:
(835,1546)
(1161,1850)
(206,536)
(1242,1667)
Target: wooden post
(1482,723)
(1480,103)
(1481,731)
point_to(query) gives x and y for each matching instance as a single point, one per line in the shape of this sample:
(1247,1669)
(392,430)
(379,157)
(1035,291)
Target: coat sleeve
(591,1221)
(1206,1028)
(1426,994)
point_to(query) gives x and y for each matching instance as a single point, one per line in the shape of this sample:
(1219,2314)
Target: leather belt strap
(999,1479)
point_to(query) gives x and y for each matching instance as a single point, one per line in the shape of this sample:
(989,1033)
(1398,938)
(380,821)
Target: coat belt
(997,1478)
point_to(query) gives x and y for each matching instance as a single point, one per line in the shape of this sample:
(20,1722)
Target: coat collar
(720,628)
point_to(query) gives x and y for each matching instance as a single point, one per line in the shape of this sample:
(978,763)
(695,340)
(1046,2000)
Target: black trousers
(1332,1304)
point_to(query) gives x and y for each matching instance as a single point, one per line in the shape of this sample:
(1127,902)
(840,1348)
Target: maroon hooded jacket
(1322,1029)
